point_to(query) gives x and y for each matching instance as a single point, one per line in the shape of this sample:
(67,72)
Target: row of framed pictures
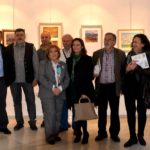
(91,34)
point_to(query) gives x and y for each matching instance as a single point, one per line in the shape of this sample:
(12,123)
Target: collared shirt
(64,54)
(1,64)
(19,52)
(107,72)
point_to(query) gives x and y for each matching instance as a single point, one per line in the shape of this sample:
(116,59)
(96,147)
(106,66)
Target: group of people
(66,75)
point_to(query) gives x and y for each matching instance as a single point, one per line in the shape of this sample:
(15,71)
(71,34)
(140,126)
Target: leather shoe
(5,130)
(77,139)
(18,126)
(85,138)
(33,127)
(142,141)
(42,124)
(62,129)
(57,139)
(100,137)
(69,125)
(131,142)
(115,138)
(74,131)
(52,141)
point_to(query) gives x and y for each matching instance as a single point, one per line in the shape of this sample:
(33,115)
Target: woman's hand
(56,91)
(131,66)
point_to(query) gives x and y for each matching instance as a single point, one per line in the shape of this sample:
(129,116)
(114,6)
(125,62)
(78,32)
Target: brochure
(141,60)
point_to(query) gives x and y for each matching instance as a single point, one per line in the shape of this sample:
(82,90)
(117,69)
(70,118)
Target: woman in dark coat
(134,84)
(80,68)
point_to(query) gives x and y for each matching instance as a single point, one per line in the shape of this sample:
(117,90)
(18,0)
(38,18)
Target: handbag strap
(86,97)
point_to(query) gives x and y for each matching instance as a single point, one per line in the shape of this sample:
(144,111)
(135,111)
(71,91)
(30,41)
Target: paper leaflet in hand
(141,60)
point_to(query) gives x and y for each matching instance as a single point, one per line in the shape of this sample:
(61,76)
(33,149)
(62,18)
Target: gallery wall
(110,14)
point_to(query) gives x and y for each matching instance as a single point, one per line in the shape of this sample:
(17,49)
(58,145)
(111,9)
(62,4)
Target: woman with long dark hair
(134,84)
(80,68)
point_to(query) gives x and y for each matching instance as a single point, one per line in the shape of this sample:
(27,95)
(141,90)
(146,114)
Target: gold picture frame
(92,37)
(8,36)
(125,37)
(55,30)
(1,37)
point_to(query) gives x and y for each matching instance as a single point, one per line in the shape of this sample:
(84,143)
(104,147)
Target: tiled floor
(25,139)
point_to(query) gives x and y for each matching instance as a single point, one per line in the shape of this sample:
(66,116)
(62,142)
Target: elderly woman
(54,79)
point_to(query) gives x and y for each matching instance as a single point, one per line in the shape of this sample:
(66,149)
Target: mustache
(20,39)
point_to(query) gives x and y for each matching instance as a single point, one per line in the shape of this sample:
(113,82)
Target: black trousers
(3,113)
(79,125)
(131,108)
(107,94)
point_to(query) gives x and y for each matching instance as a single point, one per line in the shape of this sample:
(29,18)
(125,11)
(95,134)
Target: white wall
(111,14)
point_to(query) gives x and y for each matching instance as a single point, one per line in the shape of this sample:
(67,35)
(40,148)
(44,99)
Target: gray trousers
(52,108)
(16,90)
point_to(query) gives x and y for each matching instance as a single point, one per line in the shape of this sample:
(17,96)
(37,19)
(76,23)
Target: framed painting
(55,30)
(8,36)
(92,37)
(125,37)
(1,36)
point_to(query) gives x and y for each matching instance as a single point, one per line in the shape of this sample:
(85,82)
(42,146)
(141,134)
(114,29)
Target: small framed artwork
(92,37)
(55,30)
(8,36)
(125,37)
(1,37)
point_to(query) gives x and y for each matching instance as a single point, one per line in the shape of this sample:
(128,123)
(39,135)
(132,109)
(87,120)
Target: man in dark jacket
(23,68)
(3,91)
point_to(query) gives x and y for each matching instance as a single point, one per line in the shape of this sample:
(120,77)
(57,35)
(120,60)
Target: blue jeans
(64,117)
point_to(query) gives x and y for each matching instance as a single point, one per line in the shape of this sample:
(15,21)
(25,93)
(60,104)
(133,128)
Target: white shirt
(64,54)
(57,71)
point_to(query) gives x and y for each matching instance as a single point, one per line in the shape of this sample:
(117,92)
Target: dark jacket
(28,63)
(83,76)
(136,80)
(4,56)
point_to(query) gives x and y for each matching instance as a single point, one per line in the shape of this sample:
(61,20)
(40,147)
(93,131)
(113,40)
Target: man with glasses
(108,86)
